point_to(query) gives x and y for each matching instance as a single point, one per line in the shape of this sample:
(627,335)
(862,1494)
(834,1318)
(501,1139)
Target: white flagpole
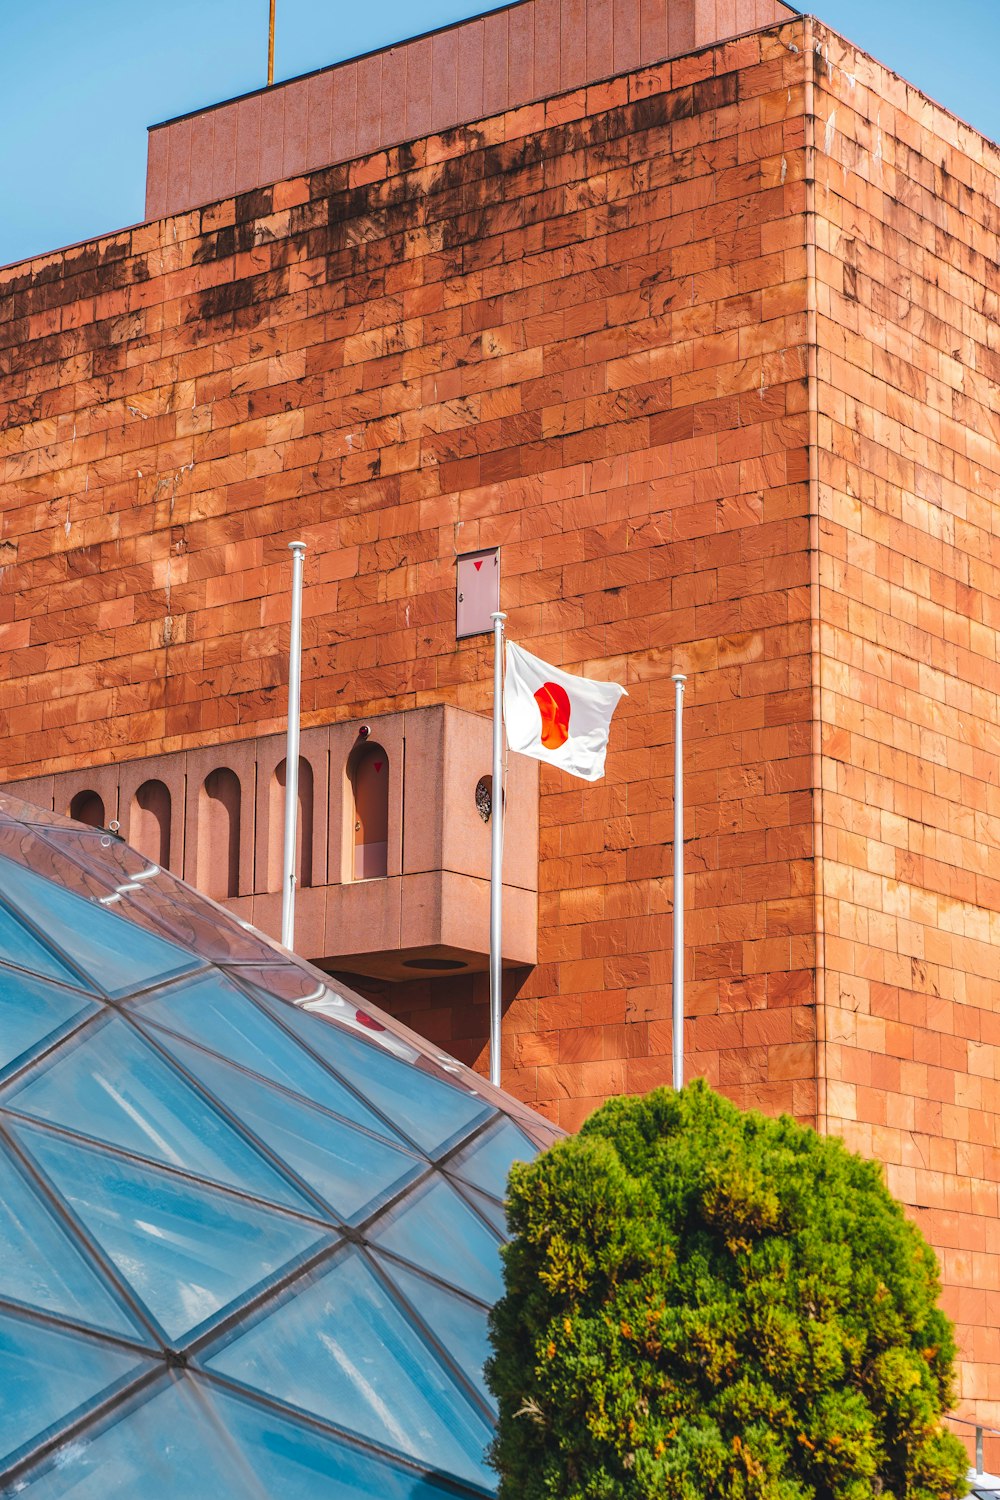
(298,550)
(496,849)
(678,680)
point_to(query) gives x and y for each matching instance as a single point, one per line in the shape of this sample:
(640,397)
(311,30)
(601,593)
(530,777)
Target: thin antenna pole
(678,680)
(496,849)
(298,551)
(270,46)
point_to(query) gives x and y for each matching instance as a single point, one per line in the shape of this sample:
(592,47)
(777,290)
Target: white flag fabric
(556,716)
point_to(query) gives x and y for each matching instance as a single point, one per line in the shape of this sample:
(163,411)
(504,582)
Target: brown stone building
(691,309)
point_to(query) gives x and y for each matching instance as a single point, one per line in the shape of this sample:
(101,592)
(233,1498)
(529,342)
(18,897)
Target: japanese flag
(557,717)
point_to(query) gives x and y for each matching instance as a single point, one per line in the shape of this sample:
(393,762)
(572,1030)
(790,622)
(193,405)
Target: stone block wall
(576,331)
(907,298)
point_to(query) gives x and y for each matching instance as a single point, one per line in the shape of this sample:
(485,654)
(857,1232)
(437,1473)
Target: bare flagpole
(496,848)
(678,680)
(298,551)
(270,46)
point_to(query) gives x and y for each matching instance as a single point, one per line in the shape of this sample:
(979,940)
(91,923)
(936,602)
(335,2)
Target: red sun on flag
(553,705)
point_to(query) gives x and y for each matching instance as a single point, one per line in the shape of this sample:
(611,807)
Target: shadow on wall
(150,822)
(276,826)
(218,863)
(368,773)
(87,807)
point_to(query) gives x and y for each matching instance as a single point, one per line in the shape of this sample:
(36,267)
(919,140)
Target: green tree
(705,1304)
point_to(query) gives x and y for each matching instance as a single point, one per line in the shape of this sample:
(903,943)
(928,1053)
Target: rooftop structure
(516,55)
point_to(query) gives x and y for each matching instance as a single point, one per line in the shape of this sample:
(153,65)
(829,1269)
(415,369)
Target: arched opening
(276,827)
(369,774)
(88,807)
(149,822)
(219,835)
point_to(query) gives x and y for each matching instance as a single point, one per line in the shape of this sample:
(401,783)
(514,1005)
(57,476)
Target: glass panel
(164,1445)
(48,1375)
(151,895)
(353,1172)
(461,1326)
(345,1007)
(382,1031)
(491,1211)
(33,1013)
(341,1348)
(19,811)
(541,1132)
(116,862)
(42,1266)
(216,1014)
(30,847)
(21,947)
(184,1438)
(292,982)
(294,1462)
(430,1112)
(288,981)
(41,851)
(345,1010)
(111,1085)
(441,1234)
(188,1252)
(487,1162)
(119,955)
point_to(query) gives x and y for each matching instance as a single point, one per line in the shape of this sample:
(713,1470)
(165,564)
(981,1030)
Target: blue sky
(81,79)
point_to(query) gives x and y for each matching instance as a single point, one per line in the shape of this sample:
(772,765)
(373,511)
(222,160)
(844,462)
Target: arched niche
(88,807)
(149,822)
(368,773)
(219,834)
(276,827)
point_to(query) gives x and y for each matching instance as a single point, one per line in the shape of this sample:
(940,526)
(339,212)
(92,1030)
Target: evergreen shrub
(705,1304)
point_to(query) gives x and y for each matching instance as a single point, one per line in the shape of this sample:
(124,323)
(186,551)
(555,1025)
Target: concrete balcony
(393,847)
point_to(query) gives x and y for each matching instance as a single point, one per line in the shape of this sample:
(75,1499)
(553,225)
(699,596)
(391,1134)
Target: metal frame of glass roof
(249,1225)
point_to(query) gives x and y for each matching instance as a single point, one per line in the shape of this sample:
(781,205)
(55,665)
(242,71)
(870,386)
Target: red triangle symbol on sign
(378,765)
(478,564)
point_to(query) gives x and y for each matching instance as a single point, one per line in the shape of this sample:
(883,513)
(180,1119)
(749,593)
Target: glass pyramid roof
(249,1226)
